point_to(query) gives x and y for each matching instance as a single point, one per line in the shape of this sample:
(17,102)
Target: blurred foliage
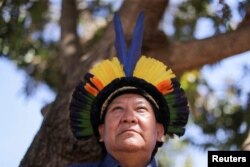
(29,35)
(23,24)
(223,117)
(218,12)
(224,120)
(175,153)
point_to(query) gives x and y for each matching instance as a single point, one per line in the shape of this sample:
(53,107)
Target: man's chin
(130,148)
(131,144)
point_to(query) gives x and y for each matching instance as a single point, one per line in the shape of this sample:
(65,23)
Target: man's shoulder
(85,165)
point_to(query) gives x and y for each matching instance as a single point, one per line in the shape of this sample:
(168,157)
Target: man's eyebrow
(116,102)
(140,102)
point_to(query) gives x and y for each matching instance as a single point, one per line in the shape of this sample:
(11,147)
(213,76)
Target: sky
(20,116)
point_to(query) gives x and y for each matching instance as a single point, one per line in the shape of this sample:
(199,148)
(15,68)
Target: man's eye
(141,109)
(118,108)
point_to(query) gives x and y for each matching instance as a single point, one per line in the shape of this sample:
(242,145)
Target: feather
(93,81)
(179,131)
(154,72)
(83,133)
(91,89)
(107,71)
(135,48)
(128,59)
(120,44)
(97,83)
(165,86)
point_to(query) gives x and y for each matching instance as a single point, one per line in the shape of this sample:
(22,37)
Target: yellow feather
(152,70)
(108,70)
(109,74)
(156,70)
(98,73)
(139,67)
(118,68)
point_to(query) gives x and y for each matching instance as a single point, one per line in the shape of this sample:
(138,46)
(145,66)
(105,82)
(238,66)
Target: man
(129,103)
(130,131)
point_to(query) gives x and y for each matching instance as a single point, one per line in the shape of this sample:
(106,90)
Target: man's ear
(101,132)
(160,132)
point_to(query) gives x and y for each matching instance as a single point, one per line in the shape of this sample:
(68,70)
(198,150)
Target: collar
(109,161)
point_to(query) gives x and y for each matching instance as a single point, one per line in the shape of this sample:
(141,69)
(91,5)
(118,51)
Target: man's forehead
(124,97)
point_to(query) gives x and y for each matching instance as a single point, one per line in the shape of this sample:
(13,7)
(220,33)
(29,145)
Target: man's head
(130,125)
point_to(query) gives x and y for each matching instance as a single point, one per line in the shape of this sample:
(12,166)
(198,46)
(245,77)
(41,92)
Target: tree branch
(153,11)
(70,48)
(194,54)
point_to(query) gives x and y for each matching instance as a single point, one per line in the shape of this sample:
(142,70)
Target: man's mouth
(129,131)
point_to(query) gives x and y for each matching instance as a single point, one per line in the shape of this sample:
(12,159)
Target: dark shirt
(109,161)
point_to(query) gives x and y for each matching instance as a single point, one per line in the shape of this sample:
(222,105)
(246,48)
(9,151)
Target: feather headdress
(128,72)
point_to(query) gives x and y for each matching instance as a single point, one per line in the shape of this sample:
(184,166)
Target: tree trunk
(54,144)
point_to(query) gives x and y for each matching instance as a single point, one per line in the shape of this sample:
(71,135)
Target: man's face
(130,125)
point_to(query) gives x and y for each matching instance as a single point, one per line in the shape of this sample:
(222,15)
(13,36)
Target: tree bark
(54,144)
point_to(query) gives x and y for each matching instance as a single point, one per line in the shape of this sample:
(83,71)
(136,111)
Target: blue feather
(120,44)
(135,48)
(128,59)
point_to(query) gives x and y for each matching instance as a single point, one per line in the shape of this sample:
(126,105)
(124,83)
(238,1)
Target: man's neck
(134,159)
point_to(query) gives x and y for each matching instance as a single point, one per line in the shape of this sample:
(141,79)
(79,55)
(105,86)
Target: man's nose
(129,116)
